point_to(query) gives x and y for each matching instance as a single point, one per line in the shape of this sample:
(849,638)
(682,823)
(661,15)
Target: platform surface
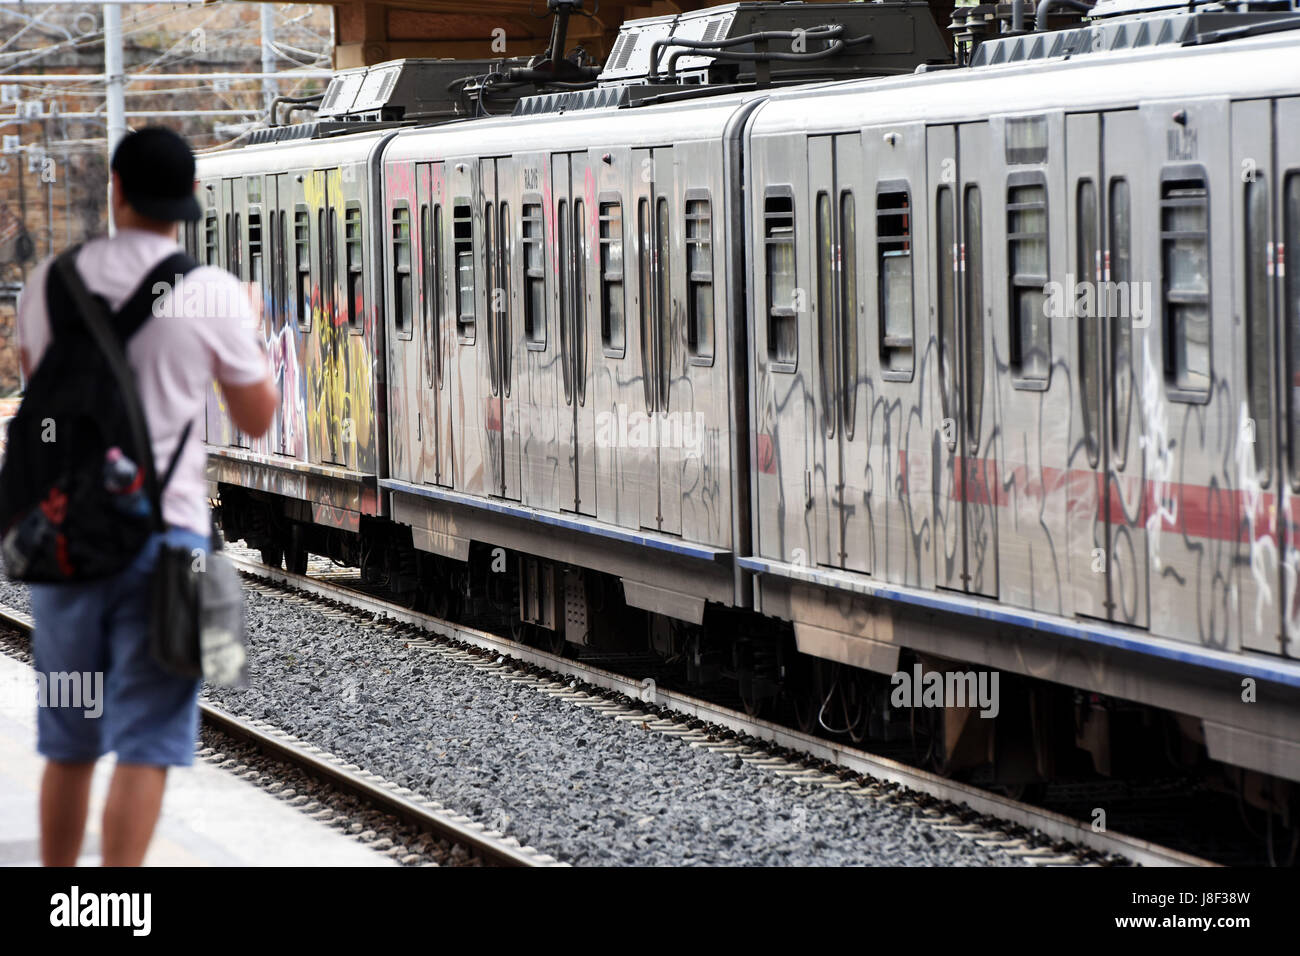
(209,817)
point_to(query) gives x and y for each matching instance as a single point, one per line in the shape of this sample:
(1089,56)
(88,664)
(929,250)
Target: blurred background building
(53,146)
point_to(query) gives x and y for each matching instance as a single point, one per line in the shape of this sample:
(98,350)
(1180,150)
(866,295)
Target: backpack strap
(176,458)
(138,309)
(94,312)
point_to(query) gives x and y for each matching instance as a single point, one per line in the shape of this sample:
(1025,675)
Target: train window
(1089,326)
(564,270)
(534,277)
(825,308)
(434,261)
(663,299)
(1291,234)
(255,245)
(330,270)
(613,333)
(210,238)
(973,226)
(353,263)
(1258,333)
(1121,271)
(1185,247)
(324,274)
(849,308)
(1031,342)
(428,262)
(403,286)
(699,281)
(462,225)
(302,266)
(268,264)
(496,301)
(782,318)
(945,257)
(894,277)
(279,262)
(644,286)
(580,298)
(1026,140)
(237,246)
(503,283)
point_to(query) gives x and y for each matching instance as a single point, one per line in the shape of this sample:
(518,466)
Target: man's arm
(32,324)
(242,367)
(252,406)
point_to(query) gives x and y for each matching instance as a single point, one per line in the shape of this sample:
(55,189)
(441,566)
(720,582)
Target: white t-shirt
(207,333)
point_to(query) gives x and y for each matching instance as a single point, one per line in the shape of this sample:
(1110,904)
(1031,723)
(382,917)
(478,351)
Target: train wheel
(272,555)
(437,600)
(752,702)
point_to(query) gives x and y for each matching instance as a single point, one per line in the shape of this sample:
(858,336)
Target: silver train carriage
(989,365)
(299,229)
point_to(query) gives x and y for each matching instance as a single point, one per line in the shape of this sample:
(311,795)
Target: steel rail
(490,847)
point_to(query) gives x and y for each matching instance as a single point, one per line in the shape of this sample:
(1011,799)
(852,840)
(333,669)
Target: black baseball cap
(156,170)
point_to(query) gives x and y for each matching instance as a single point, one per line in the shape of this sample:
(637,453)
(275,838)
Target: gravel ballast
(587,789)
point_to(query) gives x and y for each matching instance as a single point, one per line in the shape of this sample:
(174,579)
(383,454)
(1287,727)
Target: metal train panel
(1111,482)
(613,368)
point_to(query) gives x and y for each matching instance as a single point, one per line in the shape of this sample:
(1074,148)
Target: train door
(966,495)
(1287,293)
(1185,363)
(499,296)
(840,453)
(331,328)
(1254,239)
(1106,509)
(615,376)
(576,425)
(433,425)
(261,266)
(282,346)
(652,458)
(1088,465)
(235,206)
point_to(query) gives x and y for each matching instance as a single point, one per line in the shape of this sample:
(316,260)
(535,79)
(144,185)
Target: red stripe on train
(1198,511)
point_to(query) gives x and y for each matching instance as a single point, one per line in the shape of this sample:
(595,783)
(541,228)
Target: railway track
(476,842)
(1034,834)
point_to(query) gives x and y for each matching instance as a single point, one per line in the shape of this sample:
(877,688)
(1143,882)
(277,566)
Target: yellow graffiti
(340,413)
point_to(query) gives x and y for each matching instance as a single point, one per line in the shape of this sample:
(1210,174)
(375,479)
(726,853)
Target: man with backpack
(94,620)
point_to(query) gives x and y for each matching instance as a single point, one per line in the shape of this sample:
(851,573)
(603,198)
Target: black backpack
(79,494)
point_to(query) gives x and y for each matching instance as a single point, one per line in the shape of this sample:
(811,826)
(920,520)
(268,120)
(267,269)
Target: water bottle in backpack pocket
(124,480)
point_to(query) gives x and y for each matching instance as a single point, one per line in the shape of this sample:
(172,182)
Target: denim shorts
(99,689)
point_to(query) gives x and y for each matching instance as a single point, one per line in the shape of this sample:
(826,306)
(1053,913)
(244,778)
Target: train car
(1022,349)
(560,378)
(296,219)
